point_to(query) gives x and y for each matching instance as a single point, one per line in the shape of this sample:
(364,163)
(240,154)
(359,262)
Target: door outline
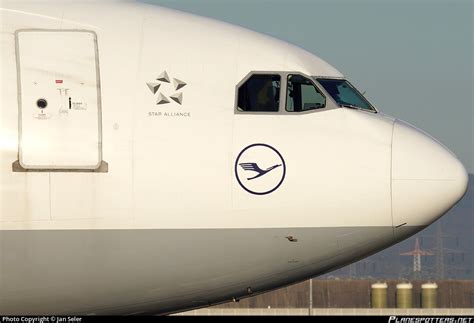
(17,166)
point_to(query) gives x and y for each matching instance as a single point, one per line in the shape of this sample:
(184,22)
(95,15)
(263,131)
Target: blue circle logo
(260,169)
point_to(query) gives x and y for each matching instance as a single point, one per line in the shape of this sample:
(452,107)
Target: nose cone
(427,179)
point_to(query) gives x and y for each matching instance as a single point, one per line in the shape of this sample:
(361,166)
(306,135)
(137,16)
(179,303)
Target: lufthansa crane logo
(260,169)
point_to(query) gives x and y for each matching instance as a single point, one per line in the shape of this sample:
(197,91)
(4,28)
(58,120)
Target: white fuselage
(123,205)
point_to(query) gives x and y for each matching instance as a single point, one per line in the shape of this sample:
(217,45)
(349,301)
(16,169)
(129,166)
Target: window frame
(244,80)
(330,103)
(373,110)
(316,87)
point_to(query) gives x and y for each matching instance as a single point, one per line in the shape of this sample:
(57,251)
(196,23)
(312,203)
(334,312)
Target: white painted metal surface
(168,226)
(427,179)
(60,124)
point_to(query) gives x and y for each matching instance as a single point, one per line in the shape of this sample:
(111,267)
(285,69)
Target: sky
(414,59)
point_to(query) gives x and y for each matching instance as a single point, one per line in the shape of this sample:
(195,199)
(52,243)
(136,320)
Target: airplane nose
(427,178)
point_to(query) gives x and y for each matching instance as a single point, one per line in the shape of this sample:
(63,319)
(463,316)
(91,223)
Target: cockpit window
(261,92)
(345,94)
(302,95)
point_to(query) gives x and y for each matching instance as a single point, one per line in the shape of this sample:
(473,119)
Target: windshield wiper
(351,106)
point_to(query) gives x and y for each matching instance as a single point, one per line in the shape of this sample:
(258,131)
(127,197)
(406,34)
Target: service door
(59,100)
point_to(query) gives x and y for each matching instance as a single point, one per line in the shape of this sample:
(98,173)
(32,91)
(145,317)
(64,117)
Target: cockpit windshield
(345,94)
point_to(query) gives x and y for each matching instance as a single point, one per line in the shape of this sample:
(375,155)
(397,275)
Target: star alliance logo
(160,83)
